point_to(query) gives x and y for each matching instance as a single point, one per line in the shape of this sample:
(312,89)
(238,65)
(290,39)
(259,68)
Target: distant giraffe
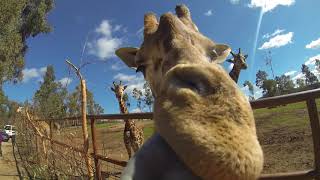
(132,134)
(239,62)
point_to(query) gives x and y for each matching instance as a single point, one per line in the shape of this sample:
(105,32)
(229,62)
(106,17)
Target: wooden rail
(307,96)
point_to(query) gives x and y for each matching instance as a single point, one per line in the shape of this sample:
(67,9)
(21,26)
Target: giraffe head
(239,60)
(118,89)
(198,108)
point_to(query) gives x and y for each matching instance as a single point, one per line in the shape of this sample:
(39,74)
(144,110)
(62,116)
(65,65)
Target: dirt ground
(8,169)
(288,146)
(285,137)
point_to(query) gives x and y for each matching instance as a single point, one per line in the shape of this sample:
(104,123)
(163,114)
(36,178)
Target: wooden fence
(307,96)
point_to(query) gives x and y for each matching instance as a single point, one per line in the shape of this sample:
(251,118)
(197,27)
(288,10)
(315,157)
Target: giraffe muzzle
(194,79)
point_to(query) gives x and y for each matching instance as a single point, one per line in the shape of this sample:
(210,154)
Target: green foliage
(49,99)
(310,77)
(18,21)
(260,77)
(301,83)
(137,94)
(318,65)
(73,103)
(269,88)
(285,84)
(148,97)
(251,90)
(143,97)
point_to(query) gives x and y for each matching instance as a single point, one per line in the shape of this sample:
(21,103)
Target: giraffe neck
(124,110)
(122,106)
(234,73)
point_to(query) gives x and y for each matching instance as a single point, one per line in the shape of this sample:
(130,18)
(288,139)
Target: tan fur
(199,110)
(132,134)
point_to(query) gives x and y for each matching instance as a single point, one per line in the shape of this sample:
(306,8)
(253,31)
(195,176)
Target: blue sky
(289,29)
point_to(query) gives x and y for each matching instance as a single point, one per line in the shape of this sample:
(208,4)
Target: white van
(10,130)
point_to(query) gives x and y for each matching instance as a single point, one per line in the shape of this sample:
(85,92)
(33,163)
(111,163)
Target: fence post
(52,150)
(84,118)
(315,128)
(95,152)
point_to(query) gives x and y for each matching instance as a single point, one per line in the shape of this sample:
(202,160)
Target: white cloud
(230,66)
(117,27)
(315,72)
(208,13)
(32,73)
(132,81)
(43,70)
(268,5)
(234,1)
(257,91)
(290,73)
(124,77)
(298,76)
(276,32)
(278,41)
(116,66)
(314,44)
(105,44)
(312,60)
(65,81)
(136,110)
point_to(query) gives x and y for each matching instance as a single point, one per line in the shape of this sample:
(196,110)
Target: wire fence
(61,154)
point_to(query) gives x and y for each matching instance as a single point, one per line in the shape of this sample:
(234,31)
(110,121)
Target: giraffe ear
(112,89)
(127,55)
(125,87)
(246,56)
(220,52)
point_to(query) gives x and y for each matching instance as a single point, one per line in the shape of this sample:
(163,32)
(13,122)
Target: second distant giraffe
(132,134)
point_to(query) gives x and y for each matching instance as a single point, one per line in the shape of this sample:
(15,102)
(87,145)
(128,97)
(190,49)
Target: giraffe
(204,124)
(239,62)
(132,133)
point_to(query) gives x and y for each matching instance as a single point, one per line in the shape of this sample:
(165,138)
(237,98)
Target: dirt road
(8,169)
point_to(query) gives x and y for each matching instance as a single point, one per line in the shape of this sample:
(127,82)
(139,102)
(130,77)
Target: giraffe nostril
(190,77)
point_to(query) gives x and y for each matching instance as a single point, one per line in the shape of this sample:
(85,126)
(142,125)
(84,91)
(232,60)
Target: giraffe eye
(141,68)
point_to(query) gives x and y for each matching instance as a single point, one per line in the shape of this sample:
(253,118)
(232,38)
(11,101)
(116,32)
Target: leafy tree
(74,103)
(3,107)
(143,97)
(49,99)
(251,90)
(18,21)
(269,88)
(300,82)
(137,94)
(318,65)
(261,76)
(93,107)
(285,84)
(148,97)
(310,77)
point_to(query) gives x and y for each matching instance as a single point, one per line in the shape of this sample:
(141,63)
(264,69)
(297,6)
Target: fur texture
(199,111)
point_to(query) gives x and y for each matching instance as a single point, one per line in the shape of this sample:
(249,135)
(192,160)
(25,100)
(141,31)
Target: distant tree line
(52,99)
(283,84)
